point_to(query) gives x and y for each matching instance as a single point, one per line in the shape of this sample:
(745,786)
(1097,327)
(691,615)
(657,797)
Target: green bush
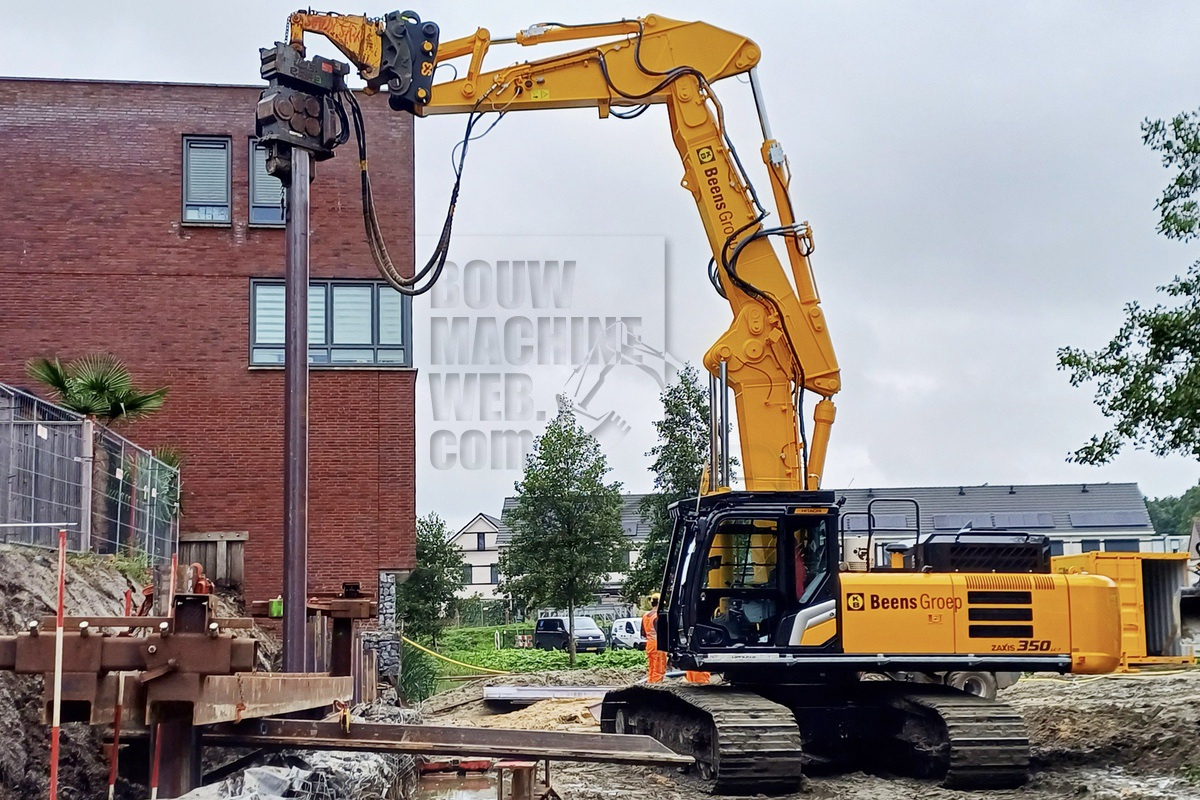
(418,674)
(540,660)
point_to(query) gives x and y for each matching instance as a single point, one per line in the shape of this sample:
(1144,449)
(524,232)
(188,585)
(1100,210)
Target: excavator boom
(756,587)
(778,345)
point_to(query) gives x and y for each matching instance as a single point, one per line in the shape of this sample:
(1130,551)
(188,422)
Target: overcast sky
(973,173)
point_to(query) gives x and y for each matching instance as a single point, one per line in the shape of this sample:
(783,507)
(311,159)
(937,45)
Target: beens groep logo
(515,321)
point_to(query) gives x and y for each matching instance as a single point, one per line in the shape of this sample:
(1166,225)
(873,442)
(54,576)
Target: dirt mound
(29,590)
(1145,723)
(558,714)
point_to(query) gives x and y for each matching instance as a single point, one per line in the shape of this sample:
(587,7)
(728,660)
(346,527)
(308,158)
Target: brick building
(139,220)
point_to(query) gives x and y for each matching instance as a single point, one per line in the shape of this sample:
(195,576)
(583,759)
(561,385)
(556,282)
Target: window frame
(327,348)
(251,152)
(480,541)
(185,151)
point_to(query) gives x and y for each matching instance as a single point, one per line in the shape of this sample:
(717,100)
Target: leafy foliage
(418,674)
(1172,516)
(538,660)
(567,521)
(1147,378)
(426,599)
(679,459)
(96,385)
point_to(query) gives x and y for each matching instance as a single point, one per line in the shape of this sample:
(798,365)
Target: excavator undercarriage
(763,739)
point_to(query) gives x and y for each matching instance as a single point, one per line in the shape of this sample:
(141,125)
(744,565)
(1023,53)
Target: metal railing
(59,469)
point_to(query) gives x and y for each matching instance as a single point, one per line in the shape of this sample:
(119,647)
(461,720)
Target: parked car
(551,633)
(627,633)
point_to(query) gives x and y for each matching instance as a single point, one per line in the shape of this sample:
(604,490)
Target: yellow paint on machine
(983,614)
(819,634)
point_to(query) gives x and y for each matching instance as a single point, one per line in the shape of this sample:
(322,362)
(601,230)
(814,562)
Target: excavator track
(742,742)
(968,742)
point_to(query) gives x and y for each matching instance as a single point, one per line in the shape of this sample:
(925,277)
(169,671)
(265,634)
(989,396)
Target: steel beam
(295,416)
(230,698)
(439,740)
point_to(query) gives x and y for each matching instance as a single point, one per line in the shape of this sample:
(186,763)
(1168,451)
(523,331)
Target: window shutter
(352,314)
(208,172)
(391,320)
(268,314)
(267,190)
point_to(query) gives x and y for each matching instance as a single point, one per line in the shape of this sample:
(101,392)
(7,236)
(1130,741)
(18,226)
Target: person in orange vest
(656,660)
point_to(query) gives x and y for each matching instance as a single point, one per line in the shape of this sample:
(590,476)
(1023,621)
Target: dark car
(551,633)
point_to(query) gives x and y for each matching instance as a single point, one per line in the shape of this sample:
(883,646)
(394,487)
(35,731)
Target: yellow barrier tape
(451,660)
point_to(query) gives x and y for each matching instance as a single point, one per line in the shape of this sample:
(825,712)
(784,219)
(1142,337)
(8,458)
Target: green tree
(1173,516)
(426,600)
(1147,378)
(679,459)
(567,522)
(96,385)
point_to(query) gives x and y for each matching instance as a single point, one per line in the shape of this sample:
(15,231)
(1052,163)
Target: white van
(627,633)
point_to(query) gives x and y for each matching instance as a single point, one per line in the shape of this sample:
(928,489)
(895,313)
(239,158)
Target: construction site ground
(1129,737)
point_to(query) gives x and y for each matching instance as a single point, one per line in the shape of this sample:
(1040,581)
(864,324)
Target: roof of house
(632,523)
(1070,509)
(495,523)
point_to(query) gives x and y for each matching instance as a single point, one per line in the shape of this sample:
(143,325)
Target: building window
(1122,546)
(266,191)
(206,173)
(350,323)
(468,577)
(495,576)
(1090,546)
(1056,547)
(481,541)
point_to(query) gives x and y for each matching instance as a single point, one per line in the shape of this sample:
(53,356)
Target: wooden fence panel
(221,553)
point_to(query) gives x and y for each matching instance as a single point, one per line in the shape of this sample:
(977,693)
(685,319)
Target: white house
(478,542)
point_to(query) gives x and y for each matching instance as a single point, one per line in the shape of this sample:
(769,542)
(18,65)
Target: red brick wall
(93,258)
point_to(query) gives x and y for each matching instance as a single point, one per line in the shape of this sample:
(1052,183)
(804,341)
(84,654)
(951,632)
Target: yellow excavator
(756,586)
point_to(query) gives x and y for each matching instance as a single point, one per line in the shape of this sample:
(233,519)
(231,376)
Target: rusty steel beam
(610,748)
(230,698)
(95,653)
(72,623)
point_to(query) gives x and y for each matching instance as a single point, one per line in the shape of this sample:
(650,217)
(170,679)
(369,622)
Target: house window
(1090,546)
(350,323)
(468,578)
(266,191)
(481,541)
(1056,547)
(1122,545)
(495,576)
(206,171)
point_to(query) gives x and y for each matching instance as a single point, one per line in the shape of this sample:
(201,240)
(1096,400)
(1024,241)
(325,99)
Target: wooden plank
(237,563)
(214,536)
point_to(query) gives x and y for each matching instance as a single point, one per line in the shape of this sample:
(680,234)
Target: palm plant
(101,387)
(96,385)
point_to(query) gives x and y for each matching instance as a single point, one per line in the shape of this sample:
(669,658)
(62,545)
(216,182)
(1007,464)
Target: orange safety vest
(649,620)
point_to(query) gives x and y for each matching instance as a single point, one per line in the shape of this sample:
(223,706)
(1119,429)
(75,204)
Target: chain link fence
(61,470)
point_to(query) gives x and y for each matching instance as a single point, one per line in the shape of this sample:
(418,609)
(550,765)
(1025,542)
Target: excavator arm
(777,346)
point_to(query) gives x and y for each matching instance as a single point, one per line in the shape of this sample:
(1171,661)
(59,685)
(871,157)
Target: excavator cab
(750,573)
